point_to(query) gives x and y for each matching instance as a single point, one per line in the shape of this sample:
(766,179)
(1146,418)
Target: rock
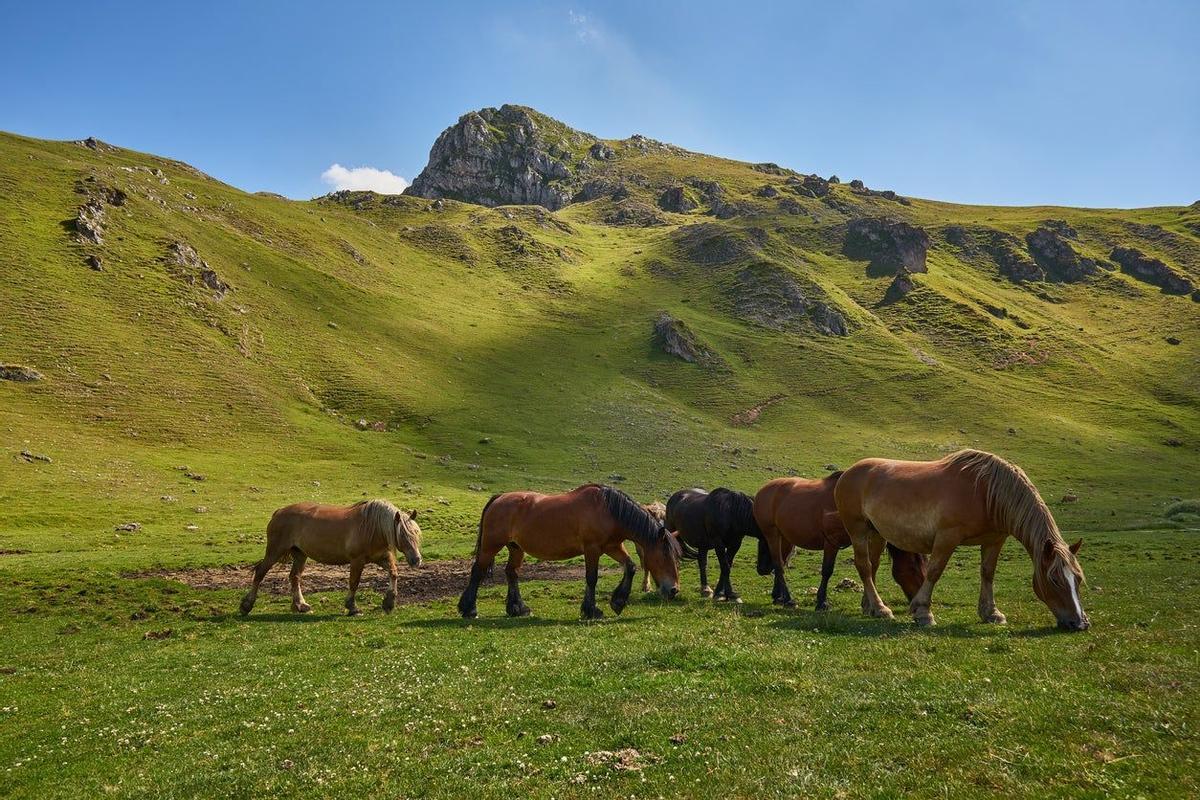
(1196,296)
(89,222)
(1070,498)
(93,261)
(129,526)
(888,245)
(678,200)
(31,457)
(675,338)
(601,152)
(708,243)
(507,156)
(1173,340)
(1173,442)
(549,704)
(848,585)
(332,325)
(1057,258)
(18,373)
(616,477)
(901,285)
(168,498)
(678,739)
(201,509)
(166,633)
(1150,270)
(475,487)
(545,739)
(362,424)
(772,297)
(857,184)
(767,190)
(379,426)
(859,188)
(634,213)
(809,185)
(191,269)
(999,312)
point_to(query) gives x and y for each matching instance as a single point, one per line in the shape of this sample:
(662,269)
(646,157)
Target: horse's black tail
(766,562)
(479,535)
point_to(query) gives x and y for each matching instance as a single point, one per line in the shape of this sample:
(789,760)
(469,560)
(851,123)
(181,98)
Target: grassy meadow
(511,348)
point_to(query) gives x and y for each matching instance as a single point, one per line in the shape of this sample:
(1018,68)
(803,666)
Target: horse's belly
(547,549)
(912,529)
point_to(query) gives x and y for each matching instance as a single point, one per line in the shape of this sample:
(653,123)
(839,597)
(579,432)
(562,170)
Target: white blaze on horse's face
(1059,590)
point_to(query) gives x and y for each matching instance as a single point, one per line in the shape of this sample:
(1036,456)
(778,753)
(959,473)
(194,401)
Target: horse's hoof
(593,613)
(516,611)
(617,606)
(882,612)
(994,618)
(354,612)
(925,620)
(706,591)
(389,602)
(303,608)
(786,602)
(246,607)
(824,606)
(469,613)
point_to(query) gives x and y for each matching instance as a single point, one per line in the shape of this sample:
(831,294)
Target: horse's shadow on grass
(279,617)
(835,623)
(508,623)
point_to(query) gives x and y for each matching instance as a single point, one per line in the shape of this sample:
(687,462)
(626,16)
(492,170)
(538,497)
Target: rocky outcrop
(771,297)
(677,200)
(709,243)
(675,338)
(809,185)
(18,373)
(888,244)
(634,213)
(901,285)
(192,270)
(1054,254)
(1135,263)
(507,156)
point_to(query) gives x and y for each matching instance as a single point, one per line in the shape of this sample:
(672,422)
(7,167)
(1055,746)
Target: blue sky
(1074,103)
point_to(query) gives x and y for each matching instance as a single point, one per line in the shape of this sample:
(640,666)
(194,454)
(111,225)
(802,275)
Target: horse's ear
(1047,552)
(398,518)
(412,514)
(1075,547)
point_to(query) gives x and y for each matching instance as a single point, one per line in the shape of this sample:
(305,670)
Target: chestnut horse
(716,520)
(368,531)
(967,498)
(589,521)
(799,512)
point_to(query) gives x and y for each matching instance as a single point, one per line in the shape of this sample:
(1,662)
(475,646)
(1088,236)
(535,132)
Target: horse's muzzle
(669,593)
(1073,625)
(414,562)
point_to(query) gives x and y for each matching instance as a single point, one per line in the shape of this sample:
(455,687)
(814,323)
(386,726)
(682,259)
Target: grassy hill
(233,352)
(451,324)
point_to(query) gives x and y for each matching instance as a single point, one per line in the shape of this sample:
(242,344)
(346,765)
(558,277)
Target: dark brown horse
(718,521)
(590,521)
(967,498)
(370,531)
(799,512)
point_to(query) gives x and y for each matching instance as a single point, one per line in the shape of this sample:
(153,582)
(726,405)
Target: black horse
(716,520)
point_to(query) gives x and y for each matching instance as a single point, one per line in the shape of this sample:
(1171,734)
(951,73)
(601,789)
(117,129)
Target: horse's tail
(479,535)
(766,562)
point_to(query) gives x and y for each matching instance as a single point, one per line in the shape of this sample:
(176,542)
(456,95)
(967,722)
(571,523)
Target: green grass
(533,330)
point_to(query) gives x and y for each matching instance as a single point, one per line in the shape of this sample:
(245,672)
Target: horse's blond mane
(1016,507)
(379,519)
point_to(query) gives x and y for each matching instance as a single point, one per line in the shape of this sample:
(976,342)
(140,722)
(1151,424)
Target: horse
(800,512)
(659,512)
(713,521)
(588,521)
(368,531)
(967,498)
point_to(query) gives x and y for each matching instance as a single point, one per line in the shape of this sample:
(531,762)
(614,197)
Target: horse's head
(408,536)
(1056,580)
(661,558)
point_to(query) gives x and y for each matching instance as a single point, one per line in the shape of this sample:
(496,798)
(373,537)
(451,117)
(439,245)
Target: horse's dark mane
(630,515)
(833,476)
(737,508)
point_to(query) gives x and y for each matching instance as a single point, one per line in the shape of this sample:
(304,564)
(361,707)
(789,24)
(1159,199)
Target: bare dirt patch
(434,580)
(751,415)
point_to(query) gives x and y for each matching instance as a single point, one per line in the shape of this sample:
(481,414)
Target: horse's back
(800,509)
(547,526)
(686,515)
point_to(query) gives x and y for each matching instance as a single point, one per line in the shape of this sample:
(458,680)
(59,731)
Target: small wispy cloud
(585,29)
(363,178)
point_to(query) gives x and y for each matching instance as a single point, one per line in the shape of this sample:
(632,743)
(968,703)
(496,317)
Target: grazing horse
(368,531)
(659,512)
(589,521)
(713,521)
(967,498)
(800,512)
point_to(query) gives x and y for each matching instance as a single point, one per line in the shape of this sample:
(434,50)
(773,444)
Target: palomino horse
(368,531)
(589,521)
(713,521)
(967,498)
(800,512)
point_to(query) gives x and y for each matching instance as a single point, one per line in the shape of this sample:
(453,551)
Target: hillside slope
(245,336)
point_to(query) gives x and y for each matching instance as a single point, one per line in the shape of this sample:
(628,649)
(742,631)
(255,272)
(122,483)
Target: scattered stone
(546,738)
(201,509)
(486,440)
(130,527)
(1150,270)
(191,527)
(475,487)
(1173,442)
(678,739)
(165,633)
(333,325)
(31,457)
(93,261)
(848,585)
(191,269)
(362,424)
(549,704)
(767,190)
(168,498)
(634,213)
(887,244)
(18,373)
(901,285)
(602,152)
(809,185)
(831,467)
(616,477)
(195,476)
(675,338)
(379,426)
(89,222)
(772,297)
(1070,497)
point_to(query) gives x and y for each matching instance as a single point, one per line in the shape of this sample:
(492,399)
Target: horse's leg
(591,563)
(479,570)
(620,595)
(702,562)
(988,556)
(868,545)
(274,554)
(943,548)
(645,570)
(388,562)
(299,557)
(828,560)
(725,556)
(514,606)
(780,595)
(356,568)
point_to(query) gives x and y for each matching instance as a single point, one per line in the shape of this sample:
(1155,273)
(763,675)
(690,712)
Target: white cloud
(368,178)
